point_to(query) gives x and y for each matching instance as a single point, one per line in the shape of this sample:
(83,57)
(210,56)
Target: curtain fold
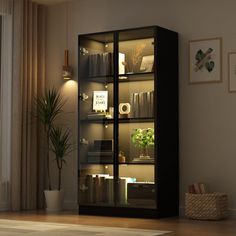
(5,7)
(28,81)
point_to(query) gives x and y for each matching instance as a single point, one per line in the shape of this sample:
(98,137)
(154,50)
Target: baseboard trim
(4,206)
(70,205)
(232,212)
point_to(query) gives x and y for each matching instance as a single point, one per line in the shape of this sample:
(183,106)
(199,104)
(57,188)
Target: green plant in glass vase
(143,138)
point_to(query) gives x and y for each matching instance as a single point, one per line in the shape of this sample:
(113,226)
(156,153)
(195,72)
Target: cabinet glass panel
(96,119)
(136,186)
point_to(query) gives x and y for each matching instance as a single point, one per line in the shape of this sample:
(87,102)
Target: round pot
(54,200)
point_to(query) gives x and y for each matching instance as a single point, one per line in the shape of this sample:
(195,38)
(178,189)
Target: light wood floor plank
(179,226)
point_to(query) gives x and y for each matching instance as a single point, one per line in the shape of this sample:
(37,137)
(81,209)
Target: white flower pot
(54,200)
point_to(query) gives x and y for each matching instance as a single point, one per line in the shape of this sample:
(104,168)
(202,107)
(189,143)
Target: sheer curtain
(5,101)
(27,169)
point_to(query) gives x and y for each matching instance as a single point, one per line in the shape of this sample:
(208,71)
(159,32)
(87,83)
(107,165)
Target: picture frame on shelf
(147,63)
(232,71)
(100,100)
(205,61)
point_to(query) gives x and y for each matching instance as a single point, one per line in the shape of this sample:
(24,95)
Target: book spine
(89,184)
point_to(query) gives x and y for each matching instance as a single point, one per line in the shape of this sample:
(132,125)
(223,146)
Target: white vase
(54,200)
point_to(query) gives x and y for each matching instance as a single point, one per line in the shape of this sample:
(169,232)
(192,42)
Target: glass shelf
(123,78)
(121,120)
(110,163)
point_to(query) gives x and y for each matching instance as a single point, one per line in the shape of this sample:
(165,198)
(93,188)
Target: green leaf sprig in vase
(143,138)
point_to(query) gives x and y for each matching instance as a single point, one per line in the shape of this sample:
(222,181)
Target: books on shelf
(100,188)
(100,64)
(198,188)
(142,104)
(96,115)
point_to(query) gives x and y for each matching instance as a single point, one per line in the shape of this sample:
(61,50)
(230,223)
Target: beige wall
(207,111)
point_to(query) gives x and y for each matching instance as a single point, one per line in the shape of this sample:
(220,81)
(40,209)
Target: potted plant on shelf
(143,138)
(49,106)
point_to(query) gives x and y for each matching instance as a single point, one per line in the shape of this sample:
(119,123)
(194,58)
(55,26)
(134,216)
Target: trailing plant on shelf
(143,138)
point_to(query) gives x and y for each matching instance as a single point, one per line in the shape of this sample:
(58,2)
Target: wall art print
(205,60)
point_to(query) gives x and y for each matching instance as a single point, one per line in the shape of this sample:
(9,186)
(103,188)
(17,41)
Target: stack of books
(96,115)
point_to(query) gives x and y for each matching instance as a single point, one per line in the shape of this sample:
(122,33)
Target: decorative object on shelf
(111,112)
(205,60)
(122,157)
(232,71)
(124,108)
(135,57)
(100,100)
(147,63)
(121,63)
(143,138)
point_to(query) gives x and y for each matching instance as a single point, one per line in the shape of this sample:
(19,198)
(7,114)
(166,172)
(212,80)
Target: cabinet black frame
(166,122)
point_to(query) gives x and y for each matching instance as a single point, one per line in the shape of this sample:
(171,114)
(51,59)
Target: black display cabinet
(128,123)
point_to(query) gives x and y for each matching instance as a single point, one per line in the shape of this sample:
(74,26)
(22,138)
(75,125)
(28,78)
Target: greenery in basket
(143,138)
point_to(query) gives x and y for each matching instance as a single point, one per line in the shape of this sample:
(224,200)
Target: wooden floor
(179,226)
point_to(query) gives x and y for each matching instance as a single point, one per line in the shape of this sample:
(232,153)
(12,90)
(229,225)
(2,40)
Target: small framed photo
(205,60)
(232,71)
(100,100)
(147,63)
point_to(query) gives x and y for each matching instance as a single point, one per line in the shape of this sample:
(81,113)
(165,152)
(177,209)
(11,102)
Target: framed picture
(147,63)
(205,60)
(100,100)
(232,71)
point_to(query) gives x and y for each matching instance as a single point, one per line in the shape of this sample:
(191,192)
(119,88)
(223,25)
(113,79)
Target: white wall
(207,111)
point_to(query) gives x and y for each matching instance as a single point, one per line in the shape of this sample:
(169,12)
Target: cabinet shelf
(123,78)
(110,163)
(121,120)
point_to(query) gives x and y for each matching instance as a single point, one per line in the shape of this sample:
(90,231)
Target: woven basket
(210,206)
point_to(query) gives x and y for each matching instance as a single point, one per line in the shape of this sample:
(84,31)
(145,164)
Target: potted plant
(61,147)
(143,138)
(49,106)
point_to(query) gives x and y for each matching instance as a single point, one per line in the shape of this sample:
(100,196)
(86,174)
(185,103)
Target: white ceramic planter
(54,200)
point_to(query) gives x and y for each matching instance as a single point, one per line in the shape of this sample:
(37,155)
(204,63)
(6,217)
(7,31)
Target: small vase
(143,153)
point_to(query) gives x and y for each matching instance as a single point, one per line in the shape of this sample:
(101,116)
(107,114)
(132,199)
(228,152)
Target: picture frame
(205,64)
(232,71)
(100,100)
(147,63)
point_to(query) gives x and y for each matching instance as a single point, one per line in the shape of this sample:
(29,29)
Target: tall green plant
(60,146)
(49,106)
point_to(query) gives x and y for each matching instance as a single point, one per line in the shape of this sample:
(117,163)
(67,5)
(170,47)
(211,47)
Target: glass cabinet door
(136,183)
(96,156)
